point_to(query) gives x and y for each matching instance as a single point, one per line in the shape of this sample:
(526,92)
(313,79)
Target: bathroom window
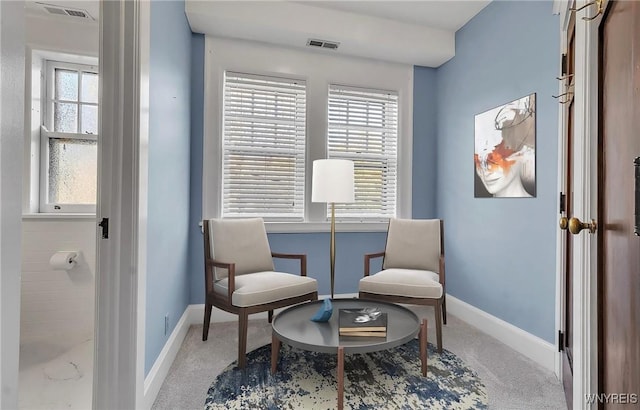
(69,139)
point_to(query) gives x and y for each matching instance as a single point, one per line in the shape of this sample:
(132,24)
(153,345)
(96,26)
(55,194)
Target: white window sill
(312,227)
(309,227)
(59,216)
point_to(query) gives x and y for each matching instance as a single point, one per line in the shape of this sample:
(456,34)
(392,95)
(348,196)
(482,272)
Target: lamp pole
(333,182)
(332,249)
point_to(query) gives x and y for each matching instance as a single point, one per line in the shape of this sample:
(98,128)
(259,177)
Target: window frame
(318,70)
(47,120)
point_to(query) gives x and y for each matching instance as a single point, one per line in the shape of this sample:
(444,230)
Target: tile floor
(52,378)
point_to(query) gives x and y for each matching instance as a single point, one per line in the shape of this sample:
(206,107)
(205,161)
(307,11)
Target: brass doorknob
(564,223)
(575,226)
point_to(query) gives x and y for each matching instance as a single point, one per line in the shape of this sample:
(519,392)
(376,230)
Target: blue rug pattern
(389,379)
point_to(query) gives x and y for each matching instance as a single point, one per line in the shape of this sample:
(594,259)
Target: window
(363,127)
(263,152)
(241,181)
(69,139)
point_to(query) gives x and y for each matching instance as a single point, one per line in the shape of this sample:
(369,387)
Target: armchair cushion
(413,244)
(240,241)
(403,282)
(265,287)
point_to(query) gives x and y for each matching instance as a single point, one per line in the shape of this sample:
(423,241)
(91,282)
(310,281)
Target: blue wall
(169,172)
(500,252)
(350,247)
(425,143)
(350,250)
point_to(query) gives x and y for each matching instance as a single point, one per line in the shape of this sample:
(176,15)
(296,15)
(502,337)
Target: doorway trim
(584,275)
(562,187)
(585,332)
(585,259)
(121,259)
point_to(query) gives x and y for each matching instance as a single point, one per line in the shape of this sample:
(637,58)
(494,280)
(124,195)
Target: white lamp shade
(332,181)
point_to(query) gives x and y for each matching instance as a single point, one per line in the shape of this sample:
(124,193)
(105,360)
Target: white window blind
(264,129)
(363,127)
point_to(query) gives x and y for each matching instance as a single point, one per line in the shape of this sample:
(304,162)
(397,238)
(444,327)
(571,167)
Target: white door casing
(585,207)
(12,51)
(562,187)
(144,43)
(584,275)
(118,379)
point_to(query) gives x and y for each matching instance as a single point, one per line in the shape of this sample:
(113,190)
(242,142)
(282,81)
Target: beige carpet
(512,380)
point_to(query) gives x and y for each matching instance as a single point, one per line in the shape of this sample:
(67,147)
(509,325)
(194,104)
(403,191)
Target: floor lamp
(332,182)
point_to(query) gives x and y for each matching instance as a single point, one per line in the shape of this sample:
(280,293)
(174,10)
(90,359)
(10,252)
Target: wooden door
(618,246)
(566,210)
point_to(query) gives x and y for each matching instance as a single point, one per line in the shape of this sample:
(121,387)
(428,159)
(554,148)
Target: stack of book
(368,322)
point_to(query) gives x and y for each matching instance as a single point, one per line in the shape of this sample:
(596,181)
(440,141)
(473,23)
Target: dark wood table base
(275,350)
(422,336)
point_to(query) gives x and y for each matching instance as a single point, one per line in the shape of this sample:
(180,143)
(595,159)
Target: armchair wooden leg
(207,320)
(439,325)
(243,319)
(270,316)
(444,309)
(423,347)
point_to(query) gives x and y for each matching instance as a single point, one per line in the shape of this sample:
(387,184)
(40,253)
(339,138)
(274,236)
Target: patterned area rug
(382,380)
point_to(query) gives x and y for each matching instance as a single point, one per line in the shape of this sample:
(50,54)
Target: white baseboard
(157,374)
(535,348)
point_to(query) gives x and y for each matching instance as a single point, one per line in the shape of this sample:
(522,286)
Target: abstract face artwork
(504,157)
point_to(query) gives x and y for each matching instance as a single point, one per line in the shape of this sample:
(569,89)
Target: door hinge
(104,224)
(560,341)
(563,202)
(564,64)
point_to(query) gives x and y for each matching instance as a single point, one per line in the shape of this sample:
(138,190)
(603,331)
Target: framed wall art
(505,150)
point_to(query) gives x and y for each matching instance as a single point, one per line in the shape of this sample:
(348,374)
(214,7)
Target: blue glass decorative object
(324,313)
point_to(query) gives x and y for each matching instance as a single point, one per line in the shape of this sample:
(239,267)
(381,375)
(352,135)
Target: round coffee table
(294,327)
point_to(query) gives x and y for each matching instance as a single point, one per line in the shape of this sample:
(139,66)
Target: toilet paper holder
(64,260)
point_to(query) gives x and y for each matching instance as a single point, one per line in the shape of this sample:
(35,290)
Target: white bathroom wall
(57,38)
(57,307)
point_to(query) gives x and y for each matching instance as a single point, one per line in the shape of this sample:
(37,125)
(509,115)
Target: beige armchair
(412,268)
(240,277)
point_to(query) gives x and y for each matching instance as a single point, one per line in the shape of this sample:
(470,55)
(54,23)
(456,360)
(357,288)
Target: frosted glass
(65,117)
(66,85)
(89,119)
(73,171)
(89,88)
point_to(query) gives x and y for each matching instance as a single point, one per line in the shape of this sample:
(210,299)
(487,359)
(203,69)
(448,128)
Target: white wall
(48,38)
(62,34)
(11,145)
(57,307)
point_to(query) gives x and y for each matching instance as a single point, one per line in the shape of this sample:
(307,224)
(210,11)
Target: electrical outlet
(166,324)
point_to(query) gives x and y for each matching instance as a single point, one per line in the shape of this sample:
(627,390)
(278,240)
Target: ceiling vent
(331,45)
(66,11)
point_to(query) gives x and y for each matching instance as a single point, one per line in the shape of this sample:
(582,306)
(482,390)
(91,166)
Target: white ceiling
(444,14)
(409,32)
